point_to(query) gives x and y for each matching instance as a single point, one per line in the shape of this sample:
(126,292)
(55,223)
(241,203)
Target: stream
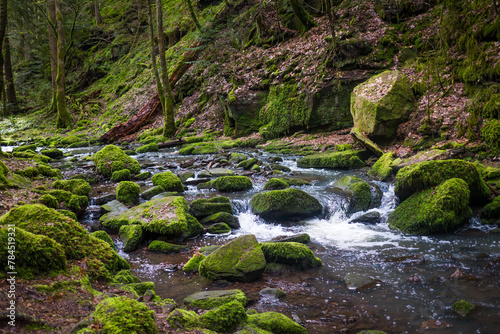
(412,287)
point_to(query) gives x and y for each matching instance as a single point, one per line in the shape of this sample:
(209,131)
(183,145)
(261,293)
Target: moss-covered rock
(53,153)
(24,148)
(165,247)
(49,201)
(193,264)
(183,319)
(285,204)
(211,299)
(151,192)
(381,103)
(74,239)
(463,307)
(219,228)
(75,186)
(359,193)
(224,318)
(151,147)
(143,176)
(216,172)
(247,164)
(169,181)
(231,183)
(291,253)
(428,174)
(34,254)
(124,315)
(68,213)
(127,192)
(491,210)
(131,236)
(491,134)
(276,184)
(441,209)
(166,216)
(221,217)
(276,323)
(104,236)
(111,159)
(240,260)
(382,168)
(199,148)
(236,158)
(334,160)
(125,277)
(121,175)
(38,158)
(203,207)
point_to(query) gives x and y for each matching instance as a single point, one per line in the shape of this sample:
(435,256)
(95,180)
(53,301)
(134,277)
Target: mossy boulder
(359,193)
(151,192)
(224,318)
(125,277)
(237,157)
(216,172)
(231,183)
(75,186)
(127,192)
(290,253)
(165,216)
(183,319)
(124,315)
(436,210)
(211,299)
(221,217)
(382,169)
(247,164)
(349,159)
(219,228)
(151,147)
(49,201)
(104,236)
(276,184)
(203,207)
(121,175)
(492,210)
(142,176)
(111,159)
(24,148)
(53,153)
(34,254)
(193,264)
(169,181)
(428,174)
(285,204)
(240,260)
(131,236)
(113,205)
(275,323)
(75,203)
(165,247)
(74,239)
(381,103)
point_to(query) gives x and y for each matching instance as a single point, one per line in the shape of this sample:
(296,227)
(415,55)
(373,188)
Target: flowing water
(412,287)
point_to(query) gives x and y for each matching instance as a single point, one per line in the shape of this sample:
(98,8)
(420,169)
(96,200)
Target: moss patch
(165,247)
(127,192)
(111,159)
(225,317)
(211,299)
(231,183)
(193,264)
(336,160)
(276,323)
(206,207)
(121,175)
(131,236)
(169,181)
(382,168)
(291,253)
(75,186)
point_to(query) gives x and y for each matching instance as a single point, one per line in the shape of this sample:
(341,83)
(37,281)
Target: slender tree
(302,15)
(3,27)
(51,16)
(63,117)
(193,14)
(97,12)
(9,77)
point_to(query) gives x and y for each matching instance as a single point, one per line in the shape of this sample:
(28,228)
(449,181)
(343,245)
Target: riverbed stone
(131,236)
(427,174)
(113,205)
(231,183)
(193,264)
(463,307)
(302,238)
(104,236)
(358,282)
(121,175)
(151,192)
(382,169)
(166,247)
(211,299)
(53,153)
(205,207)
(290,253)
(275,322)
(127,192)
(358,192)
(219,228)
(492,210)
(111,158)
(169,181)
(275,166)
(75,186)
(368,218)
(349,159)
(436,210)
(247,164)
(221,217)
(289,204)
(381,103)
(185,175)
(240,260)
(284,182)
(143,176)
(216,172)
(165,216)
(237,157)
(151,147)
(103,199)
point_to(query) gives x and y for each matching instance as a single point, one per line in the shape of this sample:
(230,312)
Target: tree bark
(97,12)
(3,27)
(51,10)
(169,127)
(63,117)
(193,14)
(9,78)
(302,15)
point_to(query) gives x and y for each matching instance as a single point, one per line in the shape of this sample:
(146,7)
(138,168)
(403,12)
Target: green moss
(231,183)
(53,153)
(283,183)
(193,264)
(492,210)
(152,147)
(77,203)
(359,190)
(143,176)
(151,192)
(169,181)
(49,201)
(206,207)
(436,210)
(131,236)
(183,319)
(127,192)
(102,235)
(225,317)
(427,174)
(219,228)
(49,172)
(111,159)
(23,148)
(121,315)
(125,277)
(276,323)
(121,175)
(142,287)
(343,147)
(463,307)
(491,134)
(247,164)
(68,213)
(335,160)
(75,186)
(285,204)
(34,254)
(199,148)
(165,247)
(290,253)
(96,270)
(208,300)
(38,158)
(382,168)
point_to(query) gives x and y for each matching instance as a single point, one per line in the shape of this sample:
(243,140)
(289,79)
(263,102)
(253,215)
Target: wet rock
(277,269)
(272,293)
(247,164)
(53,153)
(143,176)
(103,199)
(165,247)
(151,147)
(285,204)
(279,167)
(131,236)
(204,174)
(221,217)
(275,323)
(240,260)
(369,218)
(284,182)
(151,192)
(203,207)
(290,253)
(193,264)
(382,169)
(358,282)
(463,307)
(302,238)
(230,183)
(207,250)
(211,299)
(187,163)
(220,172)
(236,158)
(276,159)
(358,192)
(219,228)
(114,205)
(185,175)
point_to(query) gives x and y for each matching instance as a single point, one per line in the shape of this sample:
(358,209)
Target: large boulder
(231,183)
(127,192)
(436,210)
(348,159)
(358,192)
(240,260)
(381,103)
(169,181)
(166,216)
(290,203)
(428,174)
(111,159)
(205,207)
(291,253)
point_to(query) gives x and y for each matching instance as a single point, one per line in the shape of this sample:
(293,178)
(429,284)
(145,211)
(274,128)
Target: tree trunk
(159,87)
(328,6)
(3,26)
(63,117)
(97,12)
(193,14)
(169,127)
(302,15)
(51,9)
(9,78)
